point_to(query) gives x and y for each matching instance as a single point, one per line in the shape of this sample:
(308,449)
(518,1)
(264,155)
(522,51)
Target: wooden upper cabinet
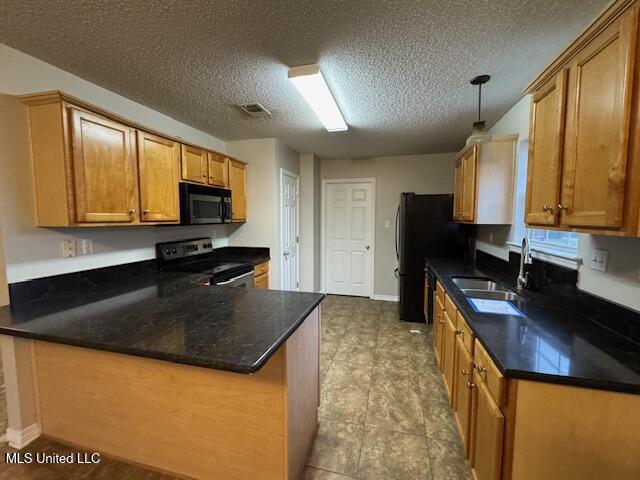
(159,175)
(468,205)
(194,164)
(218,170)
(546,137)
(237,184)
(484,178)
(104,166)
(458,190)
(584,160)
(598,126)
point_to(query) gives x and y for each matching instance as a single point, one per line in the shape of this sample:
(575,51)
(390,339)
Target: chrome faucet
(525,258)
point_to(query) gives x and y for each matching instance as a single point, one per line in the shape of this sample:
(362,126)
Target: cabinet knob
(471,386)
(464,372)
(204,175)
(458,332)
(132,211)
(563,207)
(481,369)
(547,208)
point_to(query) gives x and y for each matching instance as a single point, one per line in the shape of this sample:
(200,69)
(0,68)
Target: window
(563,244)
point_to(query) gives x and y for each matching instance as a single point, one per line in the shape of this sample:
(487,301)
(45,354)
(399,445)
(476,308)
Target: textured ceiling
(399,69)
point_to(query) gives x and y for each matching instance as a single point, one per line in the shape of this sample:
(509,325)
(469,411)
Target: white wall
(310,256)
(35,252)
(265,156)
(620,284)
(394,174)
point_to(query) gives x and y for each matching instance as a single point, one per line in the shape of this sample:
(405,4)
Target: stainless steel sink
(485,284)
(489,294)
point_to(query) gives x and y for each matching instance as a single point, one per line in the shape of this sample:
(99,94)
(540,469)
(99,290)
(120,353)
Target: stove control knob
(173,250)
(167,251)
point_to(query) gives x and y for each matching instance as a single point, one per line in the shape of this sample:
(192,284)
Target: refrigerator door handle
(397,230)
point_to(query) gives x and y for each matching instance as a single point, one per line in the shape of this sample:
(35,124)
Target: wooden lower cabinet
(448,360)
(464,387)
(261,275)
(438,330)
(489,432)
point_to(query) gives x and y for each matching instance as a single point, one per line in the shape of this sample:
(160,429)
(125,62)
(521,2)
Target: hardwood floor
(383,415)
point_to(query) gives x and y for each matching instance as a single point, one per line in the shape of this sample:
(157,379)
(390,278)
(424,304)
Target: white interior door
(349,214)
(289,232)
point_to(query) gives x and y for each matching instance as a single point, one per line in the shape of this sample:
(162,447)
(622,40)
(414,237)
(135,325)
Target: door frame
(283,172)
(323,243)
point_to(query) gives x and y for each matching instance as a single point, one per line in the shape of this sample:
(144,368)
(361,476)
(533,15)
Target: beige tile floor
(383,415)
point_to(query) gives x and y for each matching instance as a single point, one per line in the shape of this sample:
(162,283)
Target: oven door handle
(236,278)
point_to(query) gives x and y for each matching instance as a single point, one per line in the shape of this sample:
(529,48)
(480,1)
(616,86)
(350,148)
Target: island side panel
(191,421)
(303,392)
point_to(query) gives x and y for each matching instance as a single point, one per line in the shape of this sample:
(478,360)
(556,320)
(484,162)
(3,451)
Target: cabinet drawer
(260,269)
(440,292)
(450,308)
(465,333)
(488,372)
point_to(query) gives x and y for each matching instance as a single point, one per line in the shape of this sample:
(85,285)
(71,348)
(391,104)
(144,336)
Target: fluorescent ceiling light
(311,84)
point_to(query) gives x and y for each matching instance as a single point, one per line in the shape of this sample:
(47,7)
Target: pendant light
(479,134)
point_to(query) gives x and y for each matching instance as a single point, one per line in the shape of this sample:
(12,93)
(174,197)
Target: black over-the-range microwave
(200,204)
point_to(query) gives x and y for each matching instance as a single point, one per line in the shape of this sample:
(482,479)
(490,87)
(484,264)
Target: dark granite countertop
(553,341)
(168,316)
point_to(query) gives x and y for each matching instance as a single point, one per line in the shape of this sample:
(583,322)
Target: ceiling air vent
(255,110)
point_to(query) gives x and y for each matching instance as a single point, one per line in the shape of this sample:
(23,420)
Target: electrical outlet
(69,248)
(599,260)
(86,246)
(387,224)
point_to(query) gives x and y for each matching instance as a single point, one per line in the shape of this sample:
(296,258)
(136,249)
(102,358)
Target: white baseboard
(386,298)
(21,438)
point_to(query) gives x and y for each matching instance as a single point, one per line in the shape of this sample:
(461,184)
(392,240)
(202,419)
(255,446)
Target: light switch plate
(69,248)
(599,260)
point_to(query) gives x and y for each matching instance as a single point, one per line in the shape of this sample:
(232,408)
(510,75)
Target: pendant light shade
(479,133)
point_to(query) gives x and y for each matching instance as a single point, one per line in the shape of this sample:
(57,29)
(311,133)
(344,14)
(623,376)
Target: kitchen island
(163,371)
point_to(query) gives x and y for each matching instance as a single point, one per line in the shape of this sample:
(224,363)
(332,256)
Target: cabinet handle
(459,332)
(547,208)
(471,386)
(204,175)
(464,372)
(132,211)
(563,207)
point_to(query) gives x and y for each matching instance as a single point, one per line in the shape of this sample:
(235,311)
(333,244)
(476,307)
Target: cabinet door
(218,170)
(104,167)
(458,191)
(448,361)
(238,191)
(600,90)
(194,164)
(546,139)
(438,330)
(262,281)
(158,171)
(489,431)
(463,376)
(469,164)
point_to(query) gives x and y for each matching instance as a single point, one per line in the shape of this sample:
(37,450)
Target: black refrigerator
(424,227)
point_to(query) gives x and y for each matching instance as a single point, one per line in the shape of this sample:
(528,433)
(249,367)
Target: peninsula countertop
(168,316)
(551,342)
